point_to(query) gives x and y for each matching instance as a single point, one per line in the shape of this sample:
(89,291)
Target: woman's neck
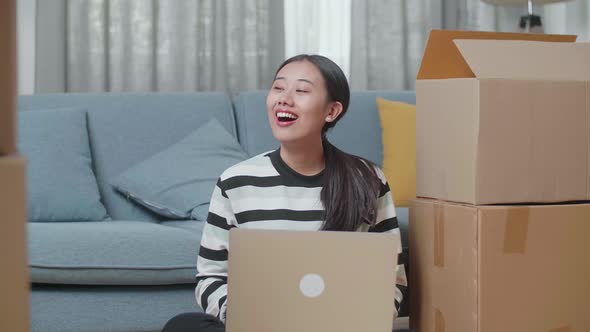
(306,159)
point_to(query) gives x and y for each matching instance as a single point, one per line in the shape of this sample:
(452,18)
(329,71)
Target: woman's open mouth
(285,118)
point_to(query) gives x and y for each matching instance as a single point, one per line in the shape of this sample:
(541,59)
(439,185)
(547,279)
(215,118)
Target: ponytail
(350,191)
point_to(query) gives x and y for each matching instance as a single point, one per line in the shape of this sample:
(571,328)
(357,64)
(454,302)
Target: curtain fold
(319,27)
(571,17)
(233,45)
(388,39)
(157,45)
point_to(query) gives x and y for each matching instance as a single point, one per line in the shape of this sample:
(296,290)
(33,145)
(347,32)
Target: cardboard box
(499,268)
(7,77)
(14,302)
(503,121)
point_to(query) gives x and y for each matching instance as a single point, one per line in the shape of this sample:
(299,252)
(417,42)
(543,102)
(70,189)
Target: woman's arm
(386,222)
(211,291)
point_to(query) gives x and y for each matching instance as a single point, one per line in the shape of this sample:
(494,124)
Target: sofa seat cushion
(112,253)
(187,225)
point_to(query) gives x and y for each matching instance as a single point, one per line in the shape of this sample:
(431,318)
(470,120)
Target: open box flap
(528,60)
(442,58)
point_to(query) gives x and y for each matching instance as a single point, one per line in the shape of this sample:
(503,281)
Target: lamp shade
(521,2)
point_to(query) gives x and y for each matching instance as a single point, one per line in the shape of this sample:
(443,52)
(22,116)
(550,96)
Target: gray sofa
(132,269)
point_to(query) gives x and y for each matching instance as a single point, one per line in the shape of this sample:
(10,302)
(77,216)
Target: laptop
(309,281)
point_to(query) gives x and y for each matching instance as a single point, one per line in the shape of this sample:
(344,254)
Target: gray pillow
(181,178)
(61,185)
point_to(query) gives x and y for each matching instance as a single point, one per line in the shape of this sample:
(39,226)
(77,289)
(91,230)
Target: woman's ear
(334,111)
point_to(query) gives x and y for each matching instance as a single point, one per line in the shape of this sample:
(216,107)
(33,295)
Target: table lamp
(530,22)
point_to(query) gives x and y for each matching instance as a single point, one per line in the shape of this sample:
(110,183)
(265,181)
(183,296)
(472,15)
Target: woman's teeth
(286,116)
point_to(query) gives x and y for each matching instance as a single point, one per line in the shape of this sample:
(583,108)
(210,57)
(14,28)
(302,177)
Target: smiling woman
(315,90)
(298,96)
(305,184)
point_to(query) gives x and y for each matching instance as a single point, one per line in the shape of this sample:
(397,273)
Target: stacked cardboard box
(14,283)
(499,235)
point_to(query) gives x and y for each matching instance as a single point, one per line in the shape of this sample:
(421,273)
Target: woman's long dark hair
(351,185)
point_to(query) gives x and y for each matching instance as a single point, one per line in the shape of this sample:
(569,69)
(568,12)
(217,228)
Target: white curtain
(233,45)
(388,40)
(181,45)
(388,37)
(319,27)
(568,18)
(26,10)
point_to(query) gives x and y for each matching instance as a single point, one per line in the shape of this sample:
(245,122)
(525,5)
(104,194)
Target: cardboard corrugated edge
(14,304)
(479,237)
(7,77)
(439,256)
(588,139)
(442,58)
(426,297)
(420,311)
(526,60)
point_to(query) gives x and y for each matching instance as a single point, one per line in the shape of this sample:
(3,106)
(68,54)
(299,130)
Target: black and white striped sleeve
(211,290)
(386,222)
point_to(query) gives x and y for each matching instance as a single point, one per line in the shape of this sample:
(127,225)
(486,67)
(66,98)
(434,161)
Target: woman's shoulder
(380,173)
(257,165)
(377,168)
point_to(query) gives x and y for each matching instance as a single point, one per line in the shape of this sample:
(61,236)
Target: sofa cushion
(173,182)
(256,136)
(187,225)
(398,121)
(126,128)
(61,184)
(112,253)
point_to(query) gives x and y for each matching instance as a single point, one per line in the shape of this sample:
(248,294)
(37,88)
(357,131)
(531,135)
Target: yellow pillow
(398,121)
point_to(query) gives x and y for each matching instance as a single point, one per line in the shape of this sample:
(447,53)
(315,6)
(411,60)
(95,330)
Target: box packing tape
(562,329)
(439,321)
(439,235)
(515,233)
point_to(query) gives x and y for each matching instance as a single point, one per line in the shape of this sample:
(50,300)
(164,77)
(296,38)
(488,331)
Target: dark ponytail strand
(351,186)
(350,190)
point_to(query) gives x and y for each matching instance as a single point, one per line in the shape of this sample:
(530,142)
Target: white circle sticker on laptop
(312,285)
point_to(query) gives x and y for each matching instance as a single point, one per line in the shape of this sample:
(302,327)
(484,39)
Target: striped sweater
(263,192)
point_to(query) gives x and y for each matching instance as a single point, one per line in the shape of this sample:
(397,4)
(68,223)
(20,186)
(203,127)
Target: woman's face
(297,103)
